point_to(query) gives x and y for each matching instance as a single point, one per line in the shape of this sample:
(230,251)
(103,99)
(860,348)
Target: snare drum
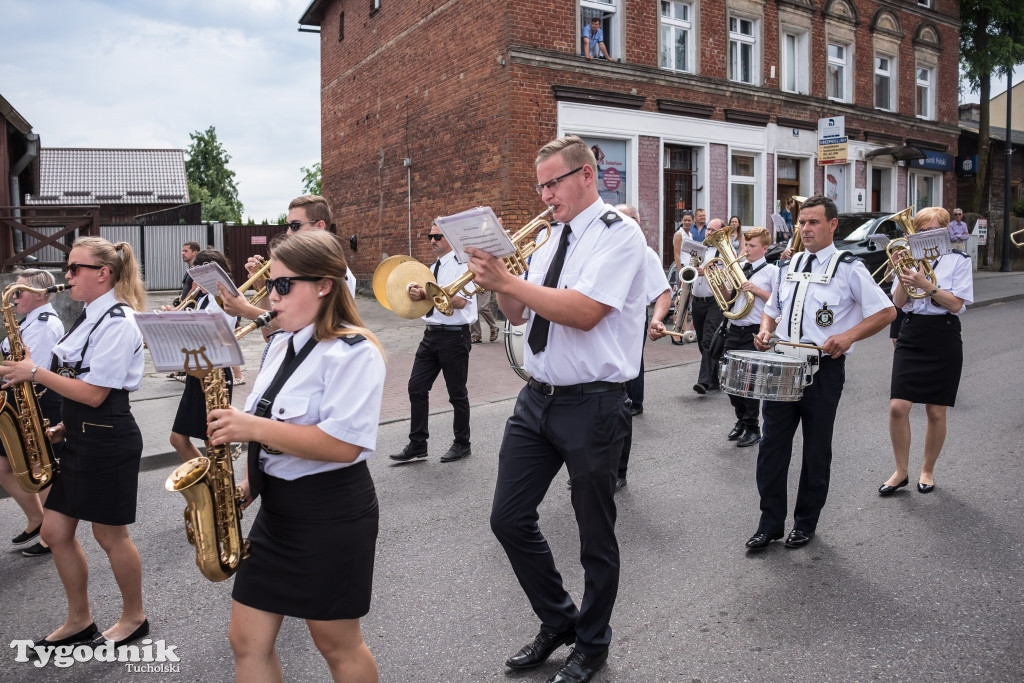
(763,375)
(514,336)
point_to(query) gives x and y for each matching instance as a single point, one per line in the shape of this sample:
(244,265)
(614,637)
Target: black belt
(447,328)
(577,389)
(702,299)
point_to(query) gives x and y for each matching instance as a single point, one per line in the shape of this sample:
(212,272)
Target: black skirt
(98,478)
(190,419)
(312,546)
(928,360)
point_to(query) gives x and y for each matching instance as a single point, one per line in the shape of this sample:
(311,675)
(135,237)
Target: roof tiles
(111,176)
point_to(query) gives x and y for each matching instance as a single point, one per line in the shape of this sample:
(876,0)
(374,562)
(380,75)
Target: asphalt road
(911,587)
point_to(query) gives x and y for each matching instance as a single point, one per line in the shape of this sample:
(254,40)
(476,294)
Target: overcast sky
(146,73)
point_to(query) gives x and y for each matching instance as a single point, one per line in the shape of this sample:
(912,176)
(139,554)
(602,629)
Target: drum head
(514,349)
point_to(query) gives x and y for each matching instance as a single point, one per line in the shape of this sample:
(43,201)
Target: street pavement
(908,588)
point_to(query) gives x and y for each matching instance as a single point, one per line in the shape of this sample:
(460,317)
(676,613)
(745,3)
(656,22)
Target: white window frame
(737,40)
(753,182)
(611,9)
(844,64)
(891,74)
(916,176)
(929,95)
(670,26)
(795,65)
(924,3)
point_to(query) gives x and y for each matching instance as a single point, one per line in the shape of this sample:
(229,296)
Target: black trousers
(585,432)
(816,414)
(440,352)
(707,316)
(635,393)
(742,339)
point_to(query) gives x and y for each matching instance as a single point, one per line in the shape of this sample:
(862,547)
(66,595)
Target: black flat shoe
(798,539)
(411,452)
(737,431)
(760,540)
(26,536)
(141,632)
(886,490)
(700,388)
(82,636)
(579,667)
(925,488)
(537,652)
(751,437)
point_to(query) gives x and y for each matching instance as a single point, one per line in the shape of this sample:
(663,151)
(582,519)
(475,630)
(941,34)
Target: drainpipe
(31,152)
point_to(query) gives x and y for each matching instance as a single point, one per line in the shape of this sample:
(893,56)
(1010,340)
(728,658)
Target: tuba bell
(393,276)
(898,251)
(725,275)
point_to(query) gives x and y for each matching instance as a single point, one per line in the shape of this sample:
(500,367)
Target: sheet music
(209,274)
(880,240)
(478,228)
(167,333)
(689,245)
(930,244)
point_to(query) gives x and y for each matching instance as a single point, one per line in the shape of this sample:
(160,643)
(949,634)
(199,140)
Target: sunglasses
(435,238)
(74,267)
(283,285)
(295,226)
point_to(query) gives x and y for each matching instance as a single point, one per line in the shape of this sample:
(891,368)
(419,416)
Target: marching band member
(929,354)
(190,420)
(312,422)
(707,317)
(94,367)
(40,330)
(583,302)
(826,298)
(761,277)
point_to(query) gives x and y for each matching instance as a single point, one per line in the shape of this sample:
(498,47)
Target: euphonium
(22,425)
(213,514)
(724,273)
(898,251)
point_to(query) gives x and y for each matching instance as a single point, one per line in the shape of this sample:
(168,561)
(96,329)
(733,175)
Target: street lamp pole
(1004,267)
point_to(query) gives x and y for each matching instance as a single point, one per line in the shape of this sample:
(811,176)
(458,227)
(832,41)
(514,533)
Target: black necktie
(253,460)
(539,332)
(806,269)
(748,269)
(437,267)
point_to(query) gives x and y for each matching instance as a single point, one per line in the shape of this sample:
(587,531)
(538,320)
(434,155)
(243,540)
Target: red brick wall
(718,193)
(649,182)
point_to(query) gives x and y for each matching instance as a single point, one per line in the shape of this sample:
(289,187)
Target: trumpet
(190,301)
(260,274)
(394,275)
(724,273)
(261,321)
(898,251)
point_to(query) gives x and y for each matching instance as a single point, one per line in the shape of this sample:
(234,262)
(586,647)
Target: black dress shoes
(458,451)
(579,668)
(620,483)
(886,490)
(751,437)
(760,540)
(700,388)
(923,488)
(737,431)
(141,632)
(80,637)
(635,410)
(537,652)
(411,452)
(798,539)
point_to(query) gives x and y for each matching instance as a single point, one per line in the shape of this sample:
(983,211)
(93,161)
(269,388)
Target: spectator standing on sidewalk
(958,232)
(483,310)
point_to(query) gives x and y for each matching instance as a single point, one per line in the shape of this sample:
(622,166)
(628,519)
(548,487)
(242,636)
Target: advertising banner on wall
(611,168)
(835,186)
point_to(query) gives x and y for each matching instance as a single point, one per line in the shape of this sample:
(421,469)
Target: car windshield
(853,228)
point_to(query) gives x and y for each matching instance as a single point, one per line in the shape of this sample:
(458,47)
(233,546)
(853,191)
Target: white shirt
(338,388)
(655,281)
(212,306)
(700,287)
(764,278)
(605,264)
(851,295)
(953,273)
(449,272)
(114,358)
(37,335)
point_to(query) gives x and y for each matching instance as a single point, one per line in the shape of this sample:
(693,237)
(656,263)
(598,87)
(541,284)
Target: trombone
(1017,242)
(393,276)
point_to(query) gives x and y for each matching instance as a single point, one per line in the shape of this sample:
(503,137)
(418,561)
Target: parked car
(853,234)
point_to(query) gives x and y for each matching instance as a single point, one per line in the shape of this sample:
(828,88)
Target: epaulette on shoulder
(117,312)
(610,218)
(45,315)
(782,263)
(352,339)
(848,257)
(962,253)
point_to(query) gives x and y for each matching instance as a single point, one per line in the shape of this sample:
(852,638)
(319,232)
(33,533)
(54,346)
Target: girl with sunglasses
(311,421)
(94,367)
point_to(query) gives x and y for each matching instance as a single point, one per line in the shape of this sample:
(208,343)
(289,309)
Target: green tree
(210,181)
(312,179)
(991,43)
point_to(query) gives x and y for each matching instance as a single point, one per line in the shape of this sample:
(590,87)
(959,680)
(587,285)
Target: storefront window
(611,168)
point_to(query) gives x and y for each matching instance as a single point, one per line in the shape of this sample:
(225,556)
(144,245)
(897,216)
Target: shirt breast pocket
(569,279)
(290,407)
(827,297)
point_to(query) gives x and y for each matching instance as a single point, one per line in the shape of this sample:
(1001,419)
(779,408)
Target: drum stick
(775,341)
(674,334)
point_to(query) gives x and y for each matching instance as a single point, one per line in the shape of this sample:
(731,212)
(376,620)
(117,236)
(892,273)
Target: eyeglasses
(553,183)
(295,226)
(73,267)
(957,213)
(283,285)
(435,237)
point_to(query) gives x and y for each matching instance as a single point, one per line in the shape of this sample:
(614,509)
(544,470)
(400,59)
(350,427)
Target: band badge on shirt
(67,371)
(824,316)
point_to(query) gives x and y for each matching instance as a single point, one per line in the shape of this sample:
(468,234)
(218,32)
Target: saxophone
(213,514)
(22,425)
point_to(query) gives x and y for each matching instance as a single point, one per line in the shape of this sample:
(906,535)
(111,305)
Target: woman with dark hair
(94,367)
(929,354)
(736,230)
(311,421)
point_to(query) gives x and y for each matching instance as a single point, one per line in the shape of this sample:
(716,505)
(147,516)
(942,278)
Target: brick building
(429,108)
